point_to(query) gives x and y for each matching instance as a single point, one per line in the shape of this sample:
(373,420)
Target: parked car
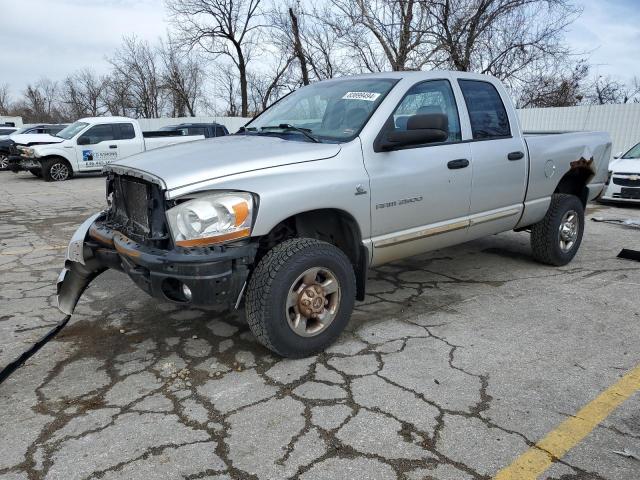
(337,177)
(623,183)
(85,146)
(209,130)
(6,130)
(7,142)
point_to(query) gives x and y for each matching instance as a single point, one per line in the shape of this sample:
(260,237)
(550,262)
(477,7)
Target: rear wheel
(300,297)
(56,170)
(555,240)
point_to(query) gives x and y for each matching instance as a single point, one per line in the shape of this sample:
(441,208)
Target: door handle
(113,146)
(460,163)
(515,156)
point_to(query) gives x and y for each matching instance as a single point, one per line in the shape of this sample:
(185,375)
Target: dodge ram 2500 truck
(288,214)
(84,146)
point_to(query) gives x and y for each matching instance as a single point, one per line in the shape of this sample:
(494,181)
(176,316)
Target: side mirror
(82,140)
(421,129)
(618,155)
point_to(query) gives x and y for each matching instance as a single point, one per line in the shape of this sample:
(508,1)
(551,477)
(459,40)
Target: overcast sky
(56,37)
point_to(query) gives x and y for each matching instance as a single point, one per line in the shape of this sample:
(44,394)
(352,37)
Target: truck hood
(32,138)
(625,165)
(186,164)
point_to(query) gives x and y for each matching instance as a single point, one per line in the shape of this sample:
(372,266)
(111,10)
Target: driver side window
(99,133)
(432,96)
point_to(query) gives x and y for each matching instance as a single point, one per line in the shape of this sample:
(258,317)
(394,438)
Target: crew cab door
(420,193)
(499,159)
(97,147)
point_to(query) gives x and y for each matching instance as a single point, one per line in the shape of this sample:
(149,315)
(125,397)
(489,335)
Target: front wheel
(300,297)
(56,170)
(4,162)
(555,240)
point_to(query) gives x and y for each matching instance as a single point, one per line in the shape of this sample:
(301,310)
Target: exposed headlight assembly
(211,219)
(27,152)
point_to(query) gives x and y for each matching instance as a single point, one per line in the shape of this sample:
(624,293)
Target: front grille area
(626,182)
(629,194)
(137,210)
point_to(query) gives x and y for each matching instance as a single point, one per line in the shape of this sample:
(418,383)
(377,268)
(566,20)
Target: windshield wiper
(288,127)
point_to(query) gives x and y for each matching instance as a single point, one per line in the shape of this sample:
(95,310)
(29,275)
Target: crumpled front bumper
(18,163)
(212,276)
(78,271)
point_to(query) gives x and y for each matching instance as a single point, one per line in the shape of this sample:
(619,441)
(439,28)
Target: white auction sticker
(368,96)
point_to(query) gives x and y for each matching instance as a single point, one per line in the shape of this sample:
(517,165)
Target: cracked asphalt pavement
(457,362)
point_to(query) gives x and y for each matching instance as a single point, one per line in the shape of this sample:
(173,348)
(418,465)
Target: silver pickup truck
(288,214)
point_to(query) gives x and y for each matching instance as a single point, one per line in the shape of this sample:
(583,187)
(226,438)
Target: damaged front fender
(80,268)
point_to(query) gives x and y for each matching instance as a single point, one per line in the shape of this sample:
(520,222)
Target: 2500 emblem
(399,203)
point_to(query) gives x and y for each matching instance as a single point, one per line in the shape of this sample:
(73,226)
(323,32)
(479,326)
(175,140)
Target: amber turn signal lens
(202,242)
(242,211)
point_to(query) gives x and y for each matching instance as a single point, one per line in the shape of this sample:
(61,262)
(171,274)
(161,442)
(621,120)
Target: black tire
(36,172)
(4,162)
(547,241)
(268,290)
(56,170)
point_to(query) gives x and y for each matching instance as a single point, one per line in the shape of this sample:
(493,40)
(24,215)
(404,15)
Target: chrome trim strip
(424,233)
(495,216)
(449,227)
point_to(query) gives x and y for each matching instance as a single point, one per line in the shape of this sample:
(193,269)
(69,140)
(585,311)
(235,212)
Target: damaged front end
(132,236)
(80,268)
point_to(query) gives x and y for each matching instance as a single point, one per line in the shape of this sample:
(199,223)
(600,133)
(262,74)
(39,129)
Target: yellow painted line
(535,461)
(24,251)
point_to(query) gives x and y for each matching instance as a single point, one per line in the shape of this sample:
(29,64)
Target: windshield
(71,131)
(332,111)
(633,153)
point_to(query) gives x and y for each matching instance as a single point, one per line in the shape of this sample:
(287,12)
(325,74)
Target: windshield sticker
(368,96)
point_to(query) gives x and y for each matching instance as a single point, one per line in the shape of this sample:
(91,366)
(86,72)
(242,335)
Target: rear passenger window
(487,114)
(196,131)
(220,132)
(125,131)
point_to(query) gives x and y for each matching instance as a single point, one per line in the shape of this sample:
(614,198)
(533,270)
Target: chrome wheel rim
(313,302)
(59,171)
(569,227)
(4,162)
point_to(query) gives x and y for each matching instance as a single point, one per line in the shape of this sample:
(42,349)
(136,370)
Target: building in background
(621,121)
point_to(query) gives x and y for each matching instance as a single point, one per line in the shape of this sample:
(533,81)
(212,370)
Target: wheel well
(329,225)
(56,157)
(574,182)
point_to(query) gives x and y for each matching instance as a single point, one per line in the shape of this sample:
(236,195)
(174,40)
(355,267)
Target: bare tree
(267,87)
(385,34)
(82,93)
(5,99)
(135,64)
(226,85)
(605,90)
(182,78)
(554,88)
(506,38)
(39,102)
(117,97)
(220,27)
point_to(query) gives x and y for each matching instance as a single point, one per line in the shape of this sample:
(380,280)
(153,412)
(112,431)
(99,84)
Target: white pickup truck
(85,146)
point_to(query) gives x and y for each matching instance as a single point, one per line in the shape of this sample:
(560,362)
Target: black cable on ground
(629,254)
(13,366)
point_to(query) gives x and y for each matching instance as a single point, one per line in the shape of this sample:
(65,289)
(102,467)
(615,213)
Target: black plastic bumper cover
(213,276)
